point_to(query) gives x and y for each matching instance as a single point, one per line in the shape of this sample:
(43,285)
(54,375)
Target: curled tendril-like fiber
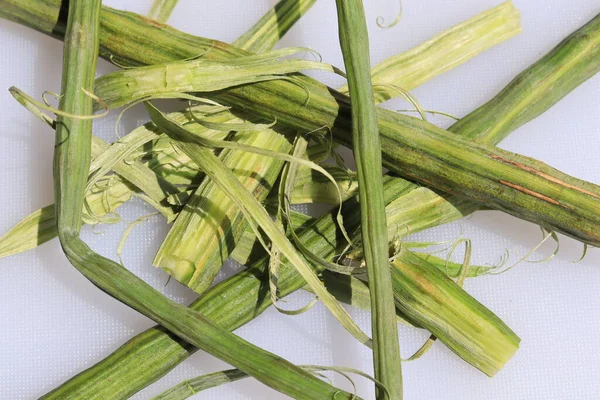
(112,60)
(548,235)
(585,249)
(128,231)
(343,371)
(432,112)
(231,126)
(464,269)
(407,96)
(164,96)
(381,20)
(18,93)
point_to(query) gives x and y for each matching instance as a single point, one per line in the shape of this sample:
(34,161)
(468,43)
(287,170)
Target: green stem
(72,152)
(354,41)
(492,177)
(570,63)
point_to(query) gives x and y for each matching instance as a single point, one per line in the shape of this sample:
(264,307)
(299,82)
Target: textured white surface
(55,323)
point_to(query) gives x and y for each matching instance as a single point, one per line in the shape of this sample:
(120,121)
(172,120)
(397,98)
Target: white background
(54,323)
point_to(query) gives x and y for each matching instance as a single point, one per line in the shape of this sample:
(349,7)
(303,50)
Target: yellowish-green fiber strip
(451,48)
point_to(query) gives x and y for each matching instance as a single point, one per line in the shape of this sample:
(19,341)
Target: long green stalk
(498,179)
(570,63)
(73,135)
(71,166)
(354,41)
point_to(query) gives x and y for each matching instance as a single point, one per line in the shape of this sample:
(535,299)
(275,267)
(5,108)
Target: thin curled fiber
(548,235)
(381,21)
(16,92)
(128,231)
(406,95)
(433,112)
(227,376)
